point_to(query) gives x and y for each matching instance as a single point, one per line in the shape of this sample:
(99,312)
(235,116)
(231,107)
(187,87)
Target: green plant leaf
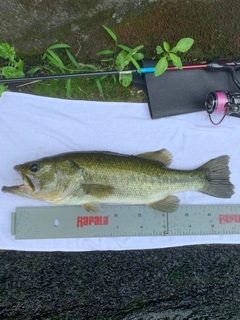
(33,70)
(106,52)
(56,60)
(7,52)
(49,68)
(124,47)
(99,85)
(11,72)
(176,60)
(111,33)
(18,65)
(174,50)
(134,51)
(161,66)
(114,79)
(121,60)
(73,60)
(107,60)
(103,77)
(2,88)
(125,79)
(125,58)
(59,46)
(138,56)
(69,87)
(159,49)
(183,45)
(135,63)
(91,67)
(166,46)
(44,56)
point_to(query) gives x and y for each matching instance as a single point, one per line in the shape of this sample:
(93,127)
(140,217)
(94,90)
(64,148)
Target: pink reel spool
(221,101)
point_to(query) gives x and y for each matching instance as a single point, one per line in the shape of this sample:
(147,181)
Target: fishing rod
(215,65)
(96,74)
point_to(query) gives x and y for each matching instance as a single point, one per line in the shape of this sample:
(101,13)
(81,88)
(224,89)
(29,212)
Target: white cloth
(33,127)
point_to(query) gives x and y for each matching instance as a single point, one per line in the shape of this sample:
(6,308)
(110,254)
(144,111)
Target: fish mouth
(30,184)
(27,181)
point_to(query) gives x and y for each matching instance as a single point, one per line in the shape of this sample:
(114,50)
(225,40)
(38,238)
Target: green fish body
(91,178)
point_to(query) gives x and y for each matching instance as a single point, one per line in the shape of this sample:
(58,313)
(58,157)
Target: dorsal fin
(163,156)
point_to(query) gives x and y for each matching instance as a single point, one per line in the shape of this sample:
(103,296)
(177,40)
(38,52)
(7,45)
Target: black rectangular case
(182,91)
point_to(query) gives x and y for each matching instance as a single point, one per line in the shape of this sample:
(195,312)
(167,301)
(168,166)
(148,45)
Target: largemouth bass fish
(91,178)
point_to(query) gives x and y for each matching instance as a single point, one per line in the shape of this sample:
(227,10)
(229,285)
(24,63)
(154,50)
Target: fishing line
(217,123)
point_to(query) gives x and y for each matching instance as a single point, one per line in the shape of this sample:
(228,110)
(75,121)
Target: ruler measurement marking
(124,221)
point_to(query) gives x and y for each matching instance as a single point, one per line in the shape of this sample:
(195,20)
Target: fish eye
(34,167)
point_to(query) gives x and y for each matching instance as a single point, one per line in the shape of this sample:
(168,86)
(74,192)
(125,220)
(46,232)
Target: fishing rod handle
(223,64)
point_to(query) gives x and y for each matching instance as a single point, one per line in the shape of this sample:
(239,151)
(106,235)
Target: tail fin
(217,178)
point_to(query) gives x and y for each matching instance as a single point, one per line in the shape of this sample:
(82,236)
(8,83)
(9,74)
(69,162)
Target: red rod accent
(189,66)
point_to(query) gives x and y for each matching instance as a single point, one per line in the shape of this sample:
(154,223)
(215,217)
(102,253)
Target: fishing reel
(222,102)
(219,101)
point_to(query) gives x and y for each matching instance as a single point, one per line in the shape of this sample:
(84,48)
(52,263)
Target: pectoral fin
(163,156)
(99,191)
(168,204)
(92,207)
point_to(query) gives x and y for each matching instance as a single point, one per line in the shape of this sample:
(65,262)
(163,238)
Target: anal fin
(92,207)
(168,204)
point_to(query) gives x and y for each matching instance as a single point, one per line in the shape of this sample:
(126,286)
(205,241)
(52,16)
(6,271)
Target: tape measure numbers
(123,221)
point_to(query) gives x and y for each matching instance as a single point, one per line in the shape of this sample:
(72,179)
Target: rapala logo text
(92,220)
(228,218)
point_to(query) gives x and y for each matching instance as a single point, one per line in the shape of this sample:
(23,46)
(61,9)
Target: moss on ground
(214,25)
(83,89)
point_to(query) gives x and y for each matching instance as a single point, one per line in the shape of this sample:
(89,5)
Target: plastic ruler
(123,221)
